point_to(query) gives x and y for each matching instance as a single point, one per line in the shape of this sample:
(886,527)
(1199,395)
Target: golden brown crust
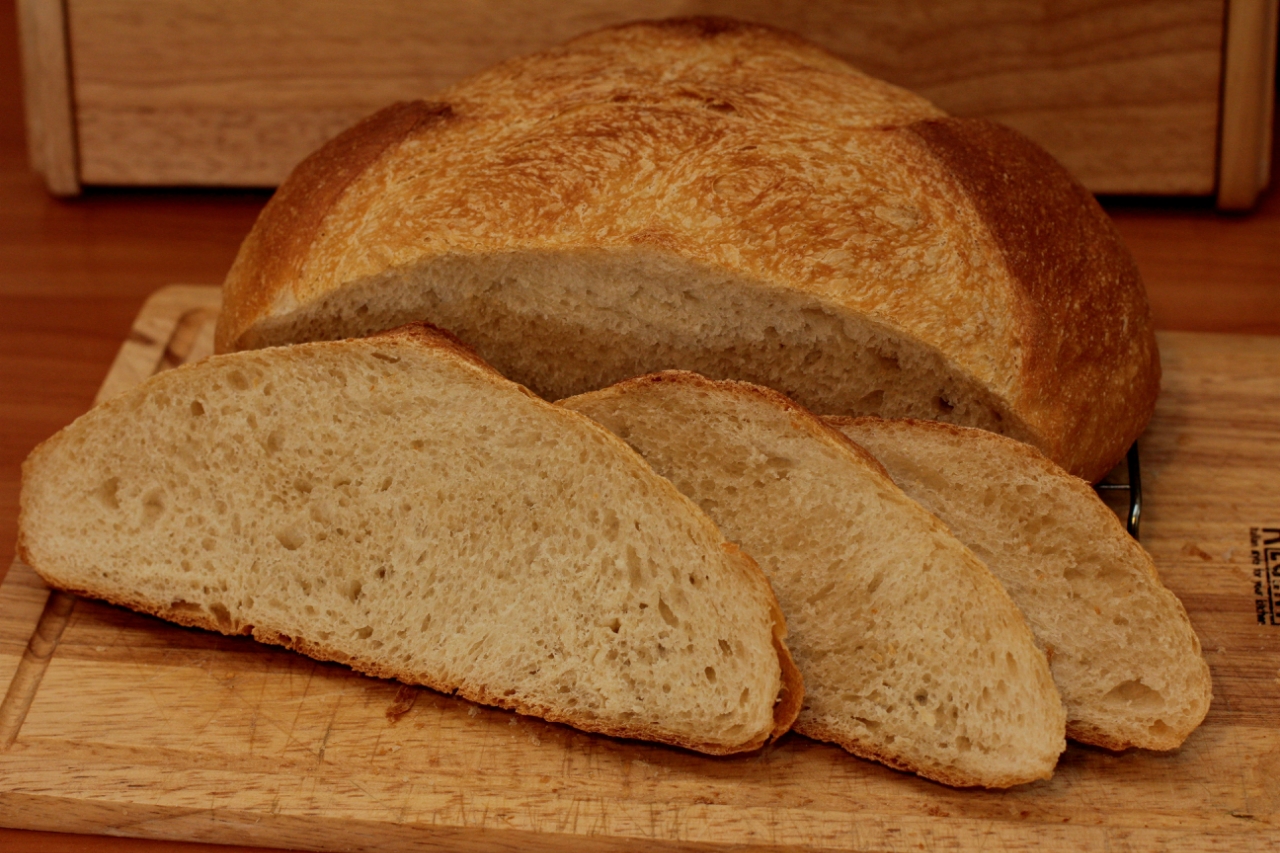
(195,617)
(946,776)
(753,153)
(802,418)
(276,249)
(791,696)
(427,334)
(1094,348)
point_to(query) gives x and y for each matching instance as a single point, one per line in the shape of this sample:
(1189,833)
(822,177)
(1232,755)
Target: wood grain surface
(73,274)
(120,723)
(1248,97)
(235,92)
(46,76)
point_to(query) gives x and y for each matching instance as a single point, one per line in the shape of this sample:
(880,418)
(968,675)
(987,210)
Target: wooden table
(74,274)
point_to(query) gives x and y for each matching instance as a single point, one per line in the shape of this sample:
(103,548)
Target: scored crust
(791,688)
(1056,240)
(797,172)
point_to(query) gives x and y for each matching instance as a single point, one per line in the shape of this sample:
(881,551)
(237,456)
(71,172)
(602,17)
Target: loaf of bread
(726,198)
(1122,650)
(396,505)
(911,652)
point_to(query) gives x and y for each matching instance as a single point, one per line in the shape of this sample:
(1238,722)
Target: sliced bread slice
(911,652)
(1122,650)
(396,505)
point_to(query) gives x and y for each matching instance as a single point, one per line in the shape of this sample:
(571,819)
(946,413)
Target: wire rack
(1133,487)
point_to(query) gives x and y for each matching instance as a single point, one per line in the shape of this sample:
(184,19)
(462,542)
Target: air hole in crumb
(667,615)
(386,484)
(152,505)
(364,633)
(291,538)
(209,543)
(303,485)
(220,612)
(943,405)
(382,356)
(1134,692)
(615,625)
(634,574)
(106,493)
(197,408)
(417,444)
(380,573)
(711,674)
(238,381)
(275,441)
(352,590)
(426,623)
(726,649)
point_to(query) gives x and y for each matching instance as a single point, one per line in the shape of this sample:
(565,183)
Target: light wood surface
(124,724)
(46,75)
(1248,97)
(235,92)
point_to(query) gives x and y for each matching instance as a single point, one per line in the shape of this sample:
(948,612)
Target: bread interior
(566,322)
(1122,650)
(910,651)
(422,519)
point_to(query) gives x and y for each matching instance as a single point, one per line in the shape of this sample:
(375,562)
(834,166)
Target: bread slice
(911,652)
(396,505)
(722,197)
(1122,650)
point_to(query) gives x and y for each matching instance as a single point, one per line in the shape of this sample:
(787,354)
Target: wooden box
(1134,96)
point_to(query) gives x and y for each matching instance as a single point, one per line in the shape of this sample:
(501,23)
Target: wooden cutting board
(116,723)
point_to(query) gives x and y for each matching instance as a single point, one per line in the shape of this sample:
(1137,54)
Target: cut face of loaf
(911,652)
(725,198)
(1122,650)
(396,505)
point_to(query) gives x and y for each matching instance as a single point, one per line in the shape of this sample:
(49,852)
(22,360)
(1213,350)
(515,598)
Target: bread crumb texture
(725,198)
(1124,653)
(395,505)
(911,652)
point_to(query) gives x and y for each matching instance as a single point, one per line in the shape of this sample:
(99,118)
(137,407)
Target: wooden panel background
(234,92)
(122,724)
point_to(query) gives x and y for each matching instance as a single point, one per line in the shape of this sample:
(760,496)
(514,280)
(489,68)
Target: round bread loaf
(730,199)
